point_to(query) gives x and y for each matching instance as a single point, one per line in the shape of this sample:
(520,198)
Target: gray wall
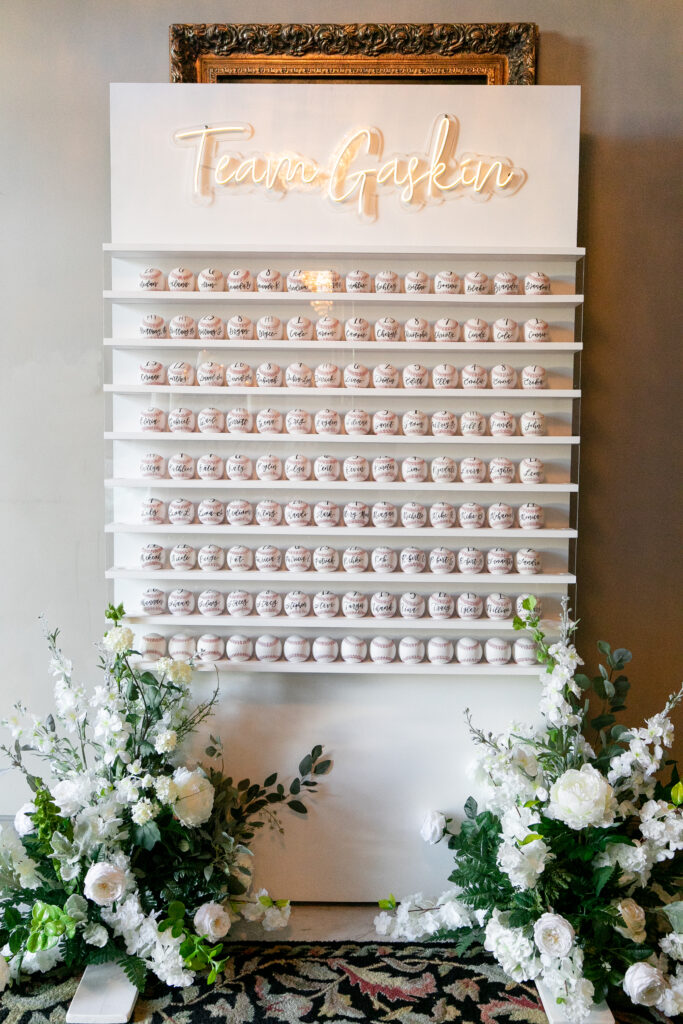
(58,60)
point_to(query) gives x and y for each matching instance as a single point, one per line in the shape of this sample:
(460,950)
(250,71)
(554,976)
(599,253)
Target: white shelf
(339,485)
(350,346)
(367,668)
(570,300)
(345,578)
(290,623)
(485,532)
(501,394)
(133,249)
(298,439)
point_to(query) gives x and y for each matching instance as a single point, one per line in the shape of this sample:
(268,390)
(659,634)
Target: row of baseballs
(383,469)
(356,329)
(297,512)
(354,559)
(382,650)
(328,375)
(383,423)
(415,281)
(326,605)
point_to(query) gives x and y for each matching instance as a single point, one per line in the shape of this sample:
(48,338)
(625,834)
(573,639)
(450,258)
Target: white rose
(4,973)
(433,827)
(104,883)
(96,935)
(553,935)
(582,797)
(644,984)
(633,917)
(194,802)
(23,822)
(211,920)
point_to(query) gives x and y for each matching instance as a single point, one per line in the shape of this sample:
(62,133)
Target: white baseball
(239,512)
(297,604)
(210,280)
(384,514)
(446,329)
(151,279)
(298,375)
(497,651)
(269,421)
(387,329)
(296,649)
(239,558)
(180,374)
(384,559)
(415,376)
(268,604)
(503,376)
(357,421)
(534,377)
(211,512)
(385,376)
(182,326)
(181,466)
(181,421)
(416,281)
(269,281)
(505,330)
(498,607)
(328,328)
(531,471)
(152,465)
(328,421)
(501,470)
(537,283)
(385,469)
(239,603)
(210,467)
(477,283)
(439,650)
(356,376)
(326,513)
(297,467)
(441,605)
(210,602)
(385,423)
(298,421)
(239,421)
(269,328)
(353,650)
(238,467)
(180,511)
(152,372)
(413,515)
(471,515)
(536,330)
(211,421)
(382,650)
(269,375)
(357,329)
(500,516)
(298,281)
(181,647)
(298,558)
(445,423)
(413,560)
(325,559)
(211,558)
(468,651)
(211,326)
(358,281)
(355,559)
(444,469)
(528,561)
(472,470)
(325,604)
(239,280)
(356,469)
(411,650)
(327,375)
(524,651)
(152,510)
(152,601)
(498,560)
(502,424)
(210,647)
(444,377)
(469,606)
(387,281)
(470,560)
(151,556)
(355,605)
(299,328)
(505,283)
(153,646)
(442,513)
(240,328)
(327,468)
(182,556)
(181,602)
(325,649)
(476,330)
(298,512)
(448,282)
(268,512)
(519,605)
(383,605)
(269,467)
(238,375)
(356,513)
(415,422)
(417,330)
(181,279)
(412,606)
(238,648)
(441,560)
(473,376)
(152,326)
(530,516)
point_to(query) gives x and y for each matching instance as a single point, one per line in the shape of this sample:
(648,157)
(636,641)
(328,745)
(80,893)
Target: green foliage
(48,924)
(389,904)
(196,951)
(115,613)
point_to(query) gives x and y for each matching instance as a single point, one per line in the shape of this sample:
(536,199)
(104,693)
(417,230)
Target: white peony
(433,827)
(104,883)
(119,639)
(71,795)
(633,917)
(23,822)
(212,920)
(95,935)
(553,935)
(194,802)
(4,973)
(166,741)
(644,984)
(581,798)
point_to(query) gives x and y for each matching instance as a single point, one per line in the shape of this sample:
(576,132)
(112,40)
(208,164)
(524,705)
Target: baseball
(210,467)
(327,468)
(500,516)
(444,469)
(498,606)
(472,470)
(355,605)
(238,375)
(470,560)
(298,421)
(325,604)
(501,470)
(476,330)
(239,603)
(444,376)
(268,512)
(527,561)
(441,605)
(477,283)
(269,328)
(415,376)
(210,280)
(473,376)
(353,650)
(182,326)
(505,330)
(498,560)
(439,650)
(356,376)
(151,279)
(384,559)
(238,467)
(416,281)
(413,560)
(269,467)
(211,326)
(385,376)
(417,330)
(537,283)
(297,467)
(298,281)
(325,559)
(387,281)
(180,511)
(532,424)
(385,469)
(536,331)
(413,515)
(448,282)
(152,465)
(152,326)
(411,650)
(298,512)
(505,283)
(325,649)
(240,328)
(268,604)
(383,605)
(384,423)
(151,372)
(441,560)
(269,375)
(239,512)
(415,422)
(468,651)
(299,328)
(180,602)
(328,421)
(297,604)
(530,516)
(238,648)
(524,651)
(239,558)
(181,466)
(534,377)
(358,281)
(531,471)
(502,424)
(445,423)
(296,649)
(412,606)
(356,469)
(269,281)
(153,646)
(503,376)
(519,605)
(151,556)
(357,329)
(269,421)
(357,421)
(328,328)
(382,650)
(471,515)
(446,329)
(298,375)
(211,558)
(210,602)
(441,514)
(497,651)
(298,558)
(469,606)
(183,556)
(211,421)
(384,514)
(180,374)
(327,375)
(387,329)
(181,647)
(152,601)
(211,512)
(210,647)
(355,559)
(328,281)
(239,281)
(153,420)
(181,280)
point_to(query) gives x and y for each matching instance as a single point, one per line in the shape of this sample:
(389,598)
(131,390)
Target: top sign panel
(333,164)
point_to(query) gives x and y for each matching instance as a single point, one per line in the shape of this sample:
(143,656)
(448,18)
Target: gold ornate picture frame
(485,54)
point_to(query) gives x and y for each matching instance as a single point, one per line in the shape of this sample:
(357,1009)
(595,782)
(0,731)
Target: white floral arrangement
(570,873)
(127,852)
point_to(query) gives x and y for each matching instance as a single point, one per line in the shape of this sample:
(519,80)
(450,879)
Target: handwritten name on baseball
(350,178)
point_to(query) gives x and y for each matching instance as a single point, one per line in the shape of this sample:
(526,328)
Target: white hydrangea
(166,741)
(512,948)
(180,672)
(14,856)
(144,810)
(119,639)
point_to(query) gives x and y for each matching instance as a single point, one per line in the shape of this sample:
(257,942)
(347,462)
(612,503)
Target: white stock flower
(104,883)
(95,935)
(553,935)
(276,917)
(4,973)
(633,916)
(119,639)
(194,801)
(582,797)
(433,827)
(166,741)
(644,984)
(212,920)
(23,822)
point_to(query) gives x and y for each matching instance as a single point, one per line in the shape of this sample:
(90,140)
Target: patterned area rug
(336,983)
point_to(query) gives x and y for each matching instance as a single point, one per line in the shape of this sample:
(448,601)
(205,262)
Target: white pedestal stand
(104,996)
(600,1014)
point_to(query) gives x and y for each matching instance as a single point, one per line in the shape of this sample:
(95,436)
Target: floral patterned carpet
(337,983)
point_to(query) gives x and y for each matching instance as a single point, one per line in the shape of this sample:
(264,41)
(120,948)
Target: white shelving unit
(124,350)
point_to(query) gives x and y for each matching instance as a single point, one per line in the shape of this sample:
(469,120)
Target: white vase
(600,1013)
